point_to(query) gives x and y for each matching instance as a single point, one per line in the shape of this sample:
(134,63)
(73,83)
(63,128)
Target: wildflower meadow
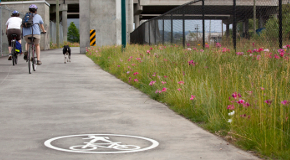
(242,96)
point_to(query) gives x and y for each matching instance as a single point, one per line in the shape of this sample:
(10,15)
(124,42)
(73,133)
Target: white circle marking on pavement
(91,146)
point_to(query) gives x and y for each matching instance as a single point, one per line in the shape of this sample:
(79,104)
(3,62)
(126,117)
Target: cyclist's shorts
(36,41)
(13,31)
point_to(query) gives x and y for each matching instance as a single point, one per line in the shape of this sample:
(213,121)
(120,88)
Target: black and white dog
(67,54)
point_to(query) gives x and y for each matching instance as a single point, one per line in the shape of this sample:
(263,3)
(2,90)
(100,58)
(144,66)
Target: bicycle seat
(14,35)
(31,38)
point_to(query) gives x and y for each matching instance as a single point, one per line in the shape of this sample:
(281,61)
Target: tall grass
(243,96)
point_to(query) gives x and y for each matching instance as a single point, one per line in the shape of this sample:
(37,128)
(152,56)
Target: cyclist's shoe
(39,62)
(10,57)
(25,55)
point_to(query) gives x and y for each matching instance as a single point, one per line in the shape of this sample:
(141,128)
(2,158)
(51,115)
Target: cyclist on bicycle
(27,32)
(13,26)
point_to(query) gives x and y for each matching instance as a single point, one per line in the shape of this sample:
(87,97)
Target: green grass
(215,75)
(54,46)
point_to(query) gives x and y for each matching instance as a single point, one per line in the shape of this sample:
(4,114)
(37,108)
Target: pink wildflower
(231,107)
(135,73)
(218,45)
(268,101)
(246,104)
(148,51)
(262,88)
(118,65)
(285,102)
(164,89)
(165,76)
(276,56)
(192,97)
(240,101)
(135,80)
(151,83)
(234,95)
(163,82)
(179,89)
(250,51)
(191,63)
(180,82)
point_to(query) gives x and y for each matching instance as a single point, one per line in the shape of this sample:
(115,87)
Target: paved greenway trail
(80,98)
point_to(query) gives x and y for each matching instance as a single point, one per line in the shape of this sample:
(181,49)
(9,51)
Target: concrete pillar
(118,23)
(130,18)
(246,28)
(137,21)
(261,21)
(228,30)
(84,25)
(64,8)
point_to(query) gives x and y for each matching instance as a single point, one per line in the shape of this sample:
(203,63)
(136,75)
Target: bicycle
(92,145)
(31,55)
(13,49)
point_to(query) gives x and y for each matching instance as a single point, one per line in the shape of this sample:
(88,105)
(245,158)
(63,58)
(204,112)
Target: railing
(200,23)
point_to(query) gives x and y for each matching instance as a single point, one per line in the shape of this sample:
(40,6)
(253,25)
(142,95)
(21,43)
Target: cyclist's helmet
(15,13)
(32,8)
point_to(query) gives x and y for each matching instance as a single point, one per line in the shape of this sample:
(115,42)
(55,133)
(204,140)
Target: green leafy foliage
(73,33)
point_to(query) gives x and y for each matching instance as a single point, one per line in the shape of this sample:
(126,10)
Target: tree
(73,34)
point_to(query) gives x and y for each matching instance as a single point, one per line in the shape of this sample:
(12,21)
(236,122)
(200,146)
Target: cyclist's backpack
(27,20)
(18,48)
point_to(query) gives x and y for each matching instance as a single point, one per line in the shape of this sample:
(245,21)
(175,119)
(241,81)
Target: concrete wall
(105,18)
(43,11)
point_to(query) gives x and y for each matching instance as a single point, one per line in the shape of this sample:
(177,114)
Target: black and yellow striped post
(92,37)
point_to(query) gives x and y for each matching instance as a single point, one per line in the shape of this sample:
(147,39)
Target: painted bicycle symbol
(106,143)
(101,143)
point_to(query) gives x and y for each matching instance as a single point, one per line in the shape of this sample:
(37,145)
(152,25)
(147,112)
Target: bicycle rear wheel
(34,59)
(16,58)
(29,61)
(12,52)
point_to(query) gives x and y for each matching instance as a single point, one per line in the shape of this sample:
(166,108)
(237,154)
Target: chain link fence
(53,33)
(233,23)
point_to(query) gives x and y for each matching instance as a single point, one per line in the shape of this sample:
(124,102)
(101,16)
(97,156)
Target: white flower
(230,120)
(231,113)
(266,50)
(189,49)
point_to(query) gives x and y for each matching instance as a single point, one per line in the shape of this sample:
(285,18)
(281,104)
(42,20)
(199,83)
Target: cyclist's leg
(9,32)
(37,48)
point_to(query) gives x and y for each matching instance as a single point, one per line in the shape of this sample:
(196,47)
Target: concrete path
(80,98)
